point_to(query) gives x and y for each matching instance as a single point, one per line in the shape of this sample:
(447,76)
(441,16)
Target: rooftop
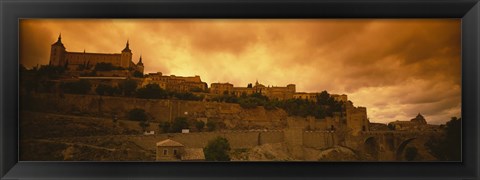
(169,142)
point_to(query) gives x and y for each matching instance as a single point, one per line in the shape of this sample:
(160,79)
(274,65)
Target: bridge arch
(371,147)
(401,148)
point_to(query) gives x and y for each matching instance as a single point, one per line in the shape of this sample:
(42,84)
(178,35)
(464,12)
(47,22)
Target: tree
(151,91)
(128,87)
(78,87)
(144,125)
(217,150)
(391,126)
(249,85)
(137,115)
(411,153)
(178,124)
(199,125)
(211,126)
(103,89)
(448,147)
(164,126)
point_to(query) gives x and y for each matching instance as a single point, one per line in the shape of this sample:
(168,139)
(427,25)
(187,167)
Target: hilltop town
(104,103)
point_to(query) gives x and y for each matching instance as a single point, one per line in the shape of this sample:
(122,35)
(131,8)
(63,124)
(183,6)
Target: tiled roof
(168,142)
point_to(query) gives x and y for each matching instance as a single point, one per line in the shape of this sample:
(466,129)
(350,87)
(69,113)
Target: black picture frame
(467,10)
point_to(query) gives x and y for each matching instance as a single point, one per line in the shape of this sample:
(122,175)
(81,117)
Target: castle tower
(291,87)
(126,57)
(140,66)
(57,53)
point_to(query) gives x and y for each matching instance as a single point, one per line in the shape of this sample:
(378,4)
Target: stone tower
(57,53)
(140,66)
(126,57)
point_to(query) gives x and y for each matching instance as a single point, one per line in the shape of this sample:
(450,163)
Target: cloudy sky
(395,68)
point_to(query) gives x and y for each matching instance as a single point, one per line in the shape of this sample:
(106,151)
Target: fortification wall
(318,139)
(160,110)
(240,139)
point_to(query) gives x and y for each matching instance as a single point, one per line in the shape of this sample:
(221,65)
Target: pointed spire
(140,61)
(59,40)
(127,48)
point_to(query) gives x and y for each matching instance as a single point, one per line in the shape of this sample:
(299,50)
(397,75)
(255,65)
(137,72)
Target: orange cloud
(396,68)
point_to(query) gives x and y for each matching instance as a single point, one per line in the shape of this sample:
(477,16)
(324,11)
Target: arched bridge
(390,145)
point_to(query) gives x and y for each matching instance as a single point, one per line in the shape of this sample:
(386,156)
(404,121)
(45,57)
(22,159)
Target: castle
(72,61)
(354,118)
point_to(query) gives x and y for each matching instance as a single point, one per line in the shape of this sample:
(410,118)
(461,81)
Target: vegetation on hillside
(449,146)
(106,67)
(217,150)
(323,106)
(76,87)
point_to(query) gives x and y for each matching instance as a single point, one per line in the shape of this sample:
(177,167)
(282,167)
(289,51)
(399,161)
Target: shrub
(199,125)
(137,115)
(178,124)
(127,87)
(151,91)
(79,87)
(143,125)
(103,89)
(211,126)
(217,150)
(164,126)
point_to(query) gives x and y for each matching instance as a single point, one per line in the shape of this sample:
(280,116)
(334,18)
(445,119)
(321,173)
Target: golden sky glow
(395,68)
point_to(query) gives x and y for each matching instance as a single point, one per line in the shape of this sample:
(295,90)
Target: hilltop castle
(59,56)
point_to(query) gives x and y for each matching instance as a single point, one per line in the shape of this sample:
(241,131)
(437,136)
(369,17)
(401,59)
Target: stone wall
(318,139)
(159,110)
(237,140)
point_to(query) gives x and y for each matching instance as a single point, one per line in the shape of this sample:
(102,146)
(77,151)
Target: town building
(170,150)
(176,83)
(278,93)
(417,123)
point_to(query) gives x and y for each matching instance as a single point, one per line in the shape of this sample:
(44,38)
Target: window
(165,151)
(174,152)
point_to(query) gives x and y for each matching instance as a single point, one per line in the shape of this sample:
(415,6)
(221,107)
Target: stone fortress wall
(162,110)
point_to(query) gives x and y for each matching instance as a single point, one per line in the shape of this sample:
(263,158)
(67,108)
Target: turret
(57,53)
(126,57)
(140,66)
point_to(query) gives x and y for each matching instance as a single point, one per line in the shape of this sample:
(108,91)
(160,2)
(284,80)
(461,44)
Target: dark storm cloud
(396,68)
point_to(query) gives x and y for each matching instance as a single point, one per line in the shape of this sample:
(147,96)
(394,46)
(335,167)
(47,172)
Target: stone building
(170,150)
(175,83)
(306,96)
(313,96)
(279,93)
(221,88)
(59,56)
(356,118)
(417,123)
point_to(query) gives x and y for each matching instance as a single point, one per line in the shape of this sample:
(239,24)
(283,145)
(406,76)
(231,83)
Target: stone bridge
(389,145)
